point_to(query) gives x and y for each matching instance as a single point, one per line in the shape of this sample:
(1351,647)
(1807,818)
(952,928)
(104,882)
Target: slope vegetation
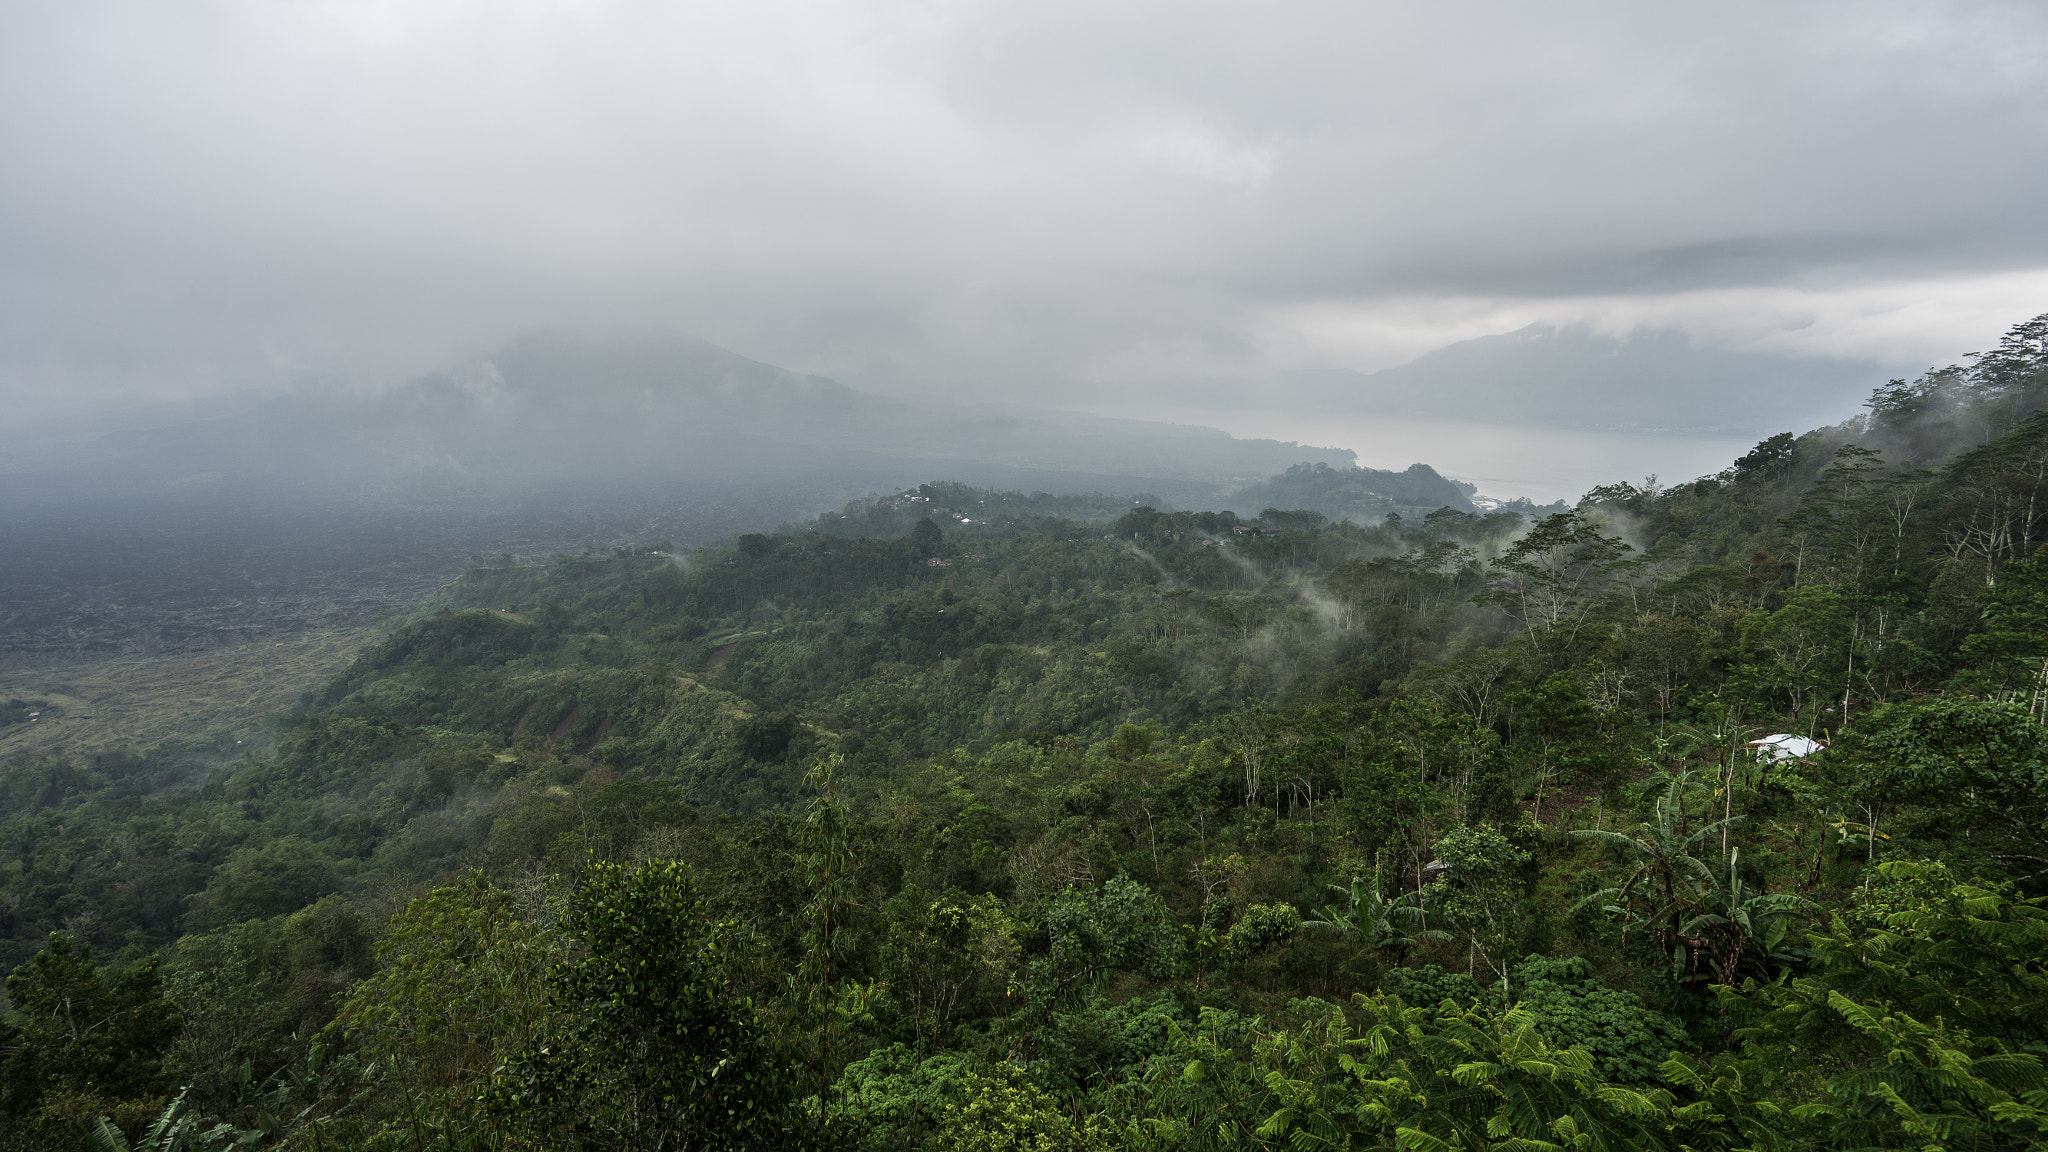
(949,821)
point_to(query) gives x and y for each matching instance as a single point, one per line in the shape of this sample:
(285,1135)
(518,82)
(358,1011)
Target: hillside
(958,817)
(1361,495)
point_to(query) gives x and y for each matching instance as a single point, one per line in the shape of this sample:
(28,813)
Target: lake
(1505,461)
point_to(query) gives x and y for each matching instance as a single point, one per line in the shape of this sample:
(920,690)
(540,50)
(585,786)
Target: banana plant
(1738,924)
(177,1130)
(1734,759)
(173,1131)
(1373,919)
(1668,877)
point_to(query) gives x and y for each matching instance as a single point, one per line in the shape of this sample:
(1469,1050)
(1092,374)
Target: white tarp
(1784,746)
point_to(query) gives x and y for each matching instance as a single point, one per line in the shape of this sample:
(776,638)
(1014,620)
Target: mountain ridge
(1649,380)
(550,409)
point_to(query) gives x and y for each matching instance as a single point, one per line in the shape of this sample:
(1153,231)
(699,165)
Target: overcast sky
(206,193)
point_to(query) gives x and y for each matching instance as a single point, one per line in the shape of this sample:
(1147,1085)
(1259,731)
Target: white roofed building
(1784,746)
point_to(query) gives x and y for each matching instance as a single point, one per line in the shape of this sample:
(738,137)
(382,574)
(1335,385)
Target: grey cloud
(976,194)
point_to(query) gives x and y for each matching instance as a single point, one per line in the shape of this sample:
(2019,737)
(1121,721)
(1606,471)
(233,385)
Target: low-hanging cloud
(985,195)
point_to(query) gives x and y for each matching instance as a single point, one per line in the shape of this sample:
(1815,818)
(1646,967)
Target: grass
(139,703)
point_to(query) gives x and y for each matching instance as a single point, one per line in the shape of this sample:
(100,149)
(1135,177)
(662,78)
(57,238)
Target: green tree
(1800,653)
(1000,1110)
(281,876)
(1739,927)
(1982,766)
(1840,529)
(891,1099)
(828,857)
(1480,886)
(177,1129)
(459,990)
(1995,507)
(2010,646)
(1936,1089)
(1424,1078)
(648,1050)
(235,1015)
(942,953)
(1552,577)
(1117,926)
(1557,732)
(78,1033)
(1771,459)
(1259,928)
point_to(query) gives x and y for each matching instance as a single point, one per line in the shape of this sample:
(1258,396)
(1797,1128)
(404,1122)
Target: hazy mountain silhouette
(551,412)
(1570,378)
(1578,378)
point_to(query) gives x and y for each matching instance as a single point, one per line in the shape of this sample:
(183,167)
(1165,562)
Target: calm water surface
(1505,461)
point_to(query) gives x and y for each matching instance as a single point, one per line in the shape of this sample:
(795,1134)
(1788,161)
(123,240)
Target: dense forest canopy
(1360,494)
(964,819)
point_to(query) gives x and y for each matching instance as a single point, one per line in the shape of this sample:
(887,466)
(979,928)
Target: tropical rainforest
(965,819)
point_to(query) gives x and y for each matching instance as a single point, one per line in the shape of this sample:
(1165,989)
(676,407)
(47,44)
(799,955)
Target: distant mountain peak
(552,411)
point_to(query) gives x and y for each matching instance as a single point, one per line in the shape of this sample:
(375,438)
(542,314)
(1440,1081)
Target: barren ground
(229,692)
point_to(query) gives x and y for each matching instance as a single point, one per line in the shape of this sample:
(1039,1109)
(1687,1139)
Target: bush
(1575,1009)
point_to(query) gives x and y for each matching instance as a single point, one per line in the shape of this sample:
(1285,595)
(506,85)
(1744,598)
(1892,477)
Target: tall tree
(77,1032)
(650,1051)
(1553,576)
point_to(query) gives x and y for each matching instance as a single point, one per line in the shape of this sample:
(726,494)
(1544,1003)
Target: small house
(1781,746)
